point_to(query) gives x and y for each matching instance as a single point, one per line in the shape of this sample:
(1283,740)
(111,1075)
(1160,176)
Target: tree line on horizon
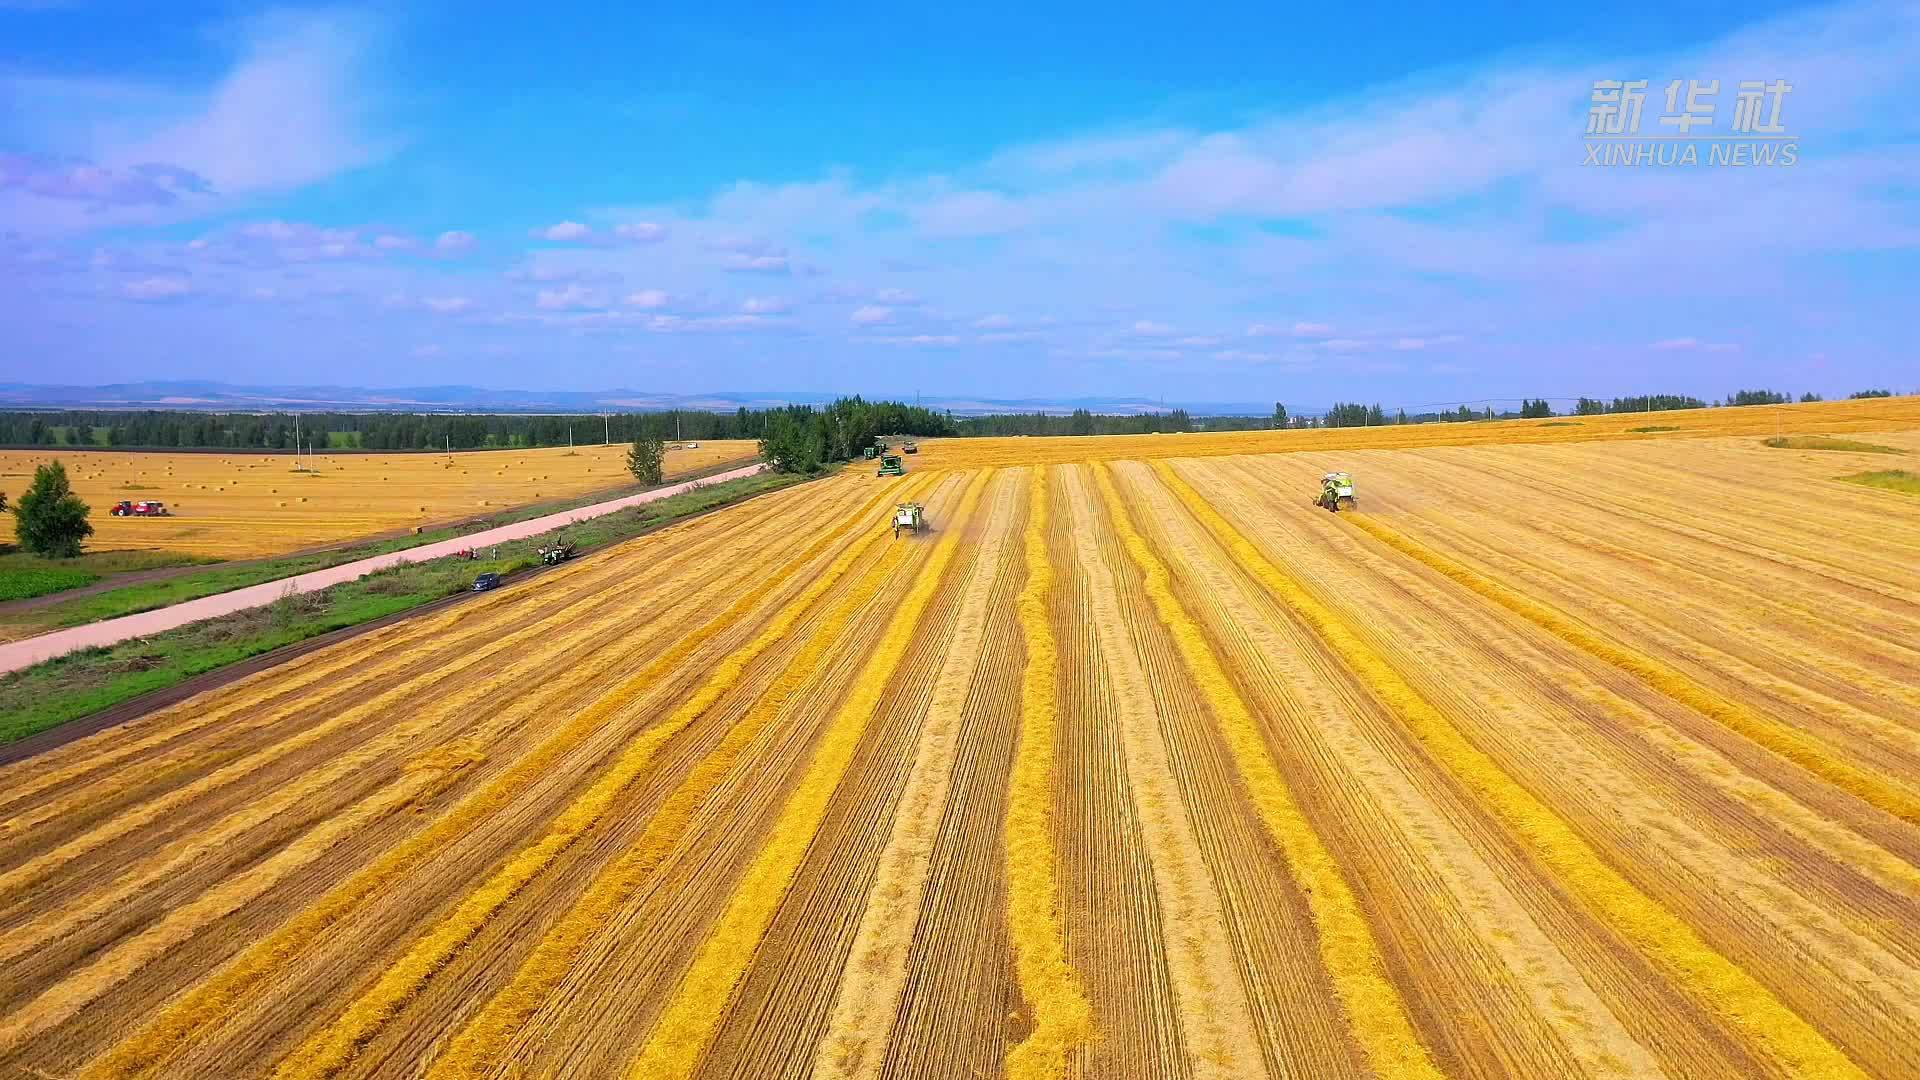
(839,426)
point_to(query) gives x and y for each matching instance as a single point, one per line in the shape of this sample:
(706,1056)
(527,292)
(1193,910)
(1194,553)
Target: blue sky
(1204,204)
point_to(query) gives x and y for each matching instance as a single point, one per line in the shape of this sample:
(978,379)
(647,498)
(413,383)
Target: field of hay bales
(236,506)
(1588,759)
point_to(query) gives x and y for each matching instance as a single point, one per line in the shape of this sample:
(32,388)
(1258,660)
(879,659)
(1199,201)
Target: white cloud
(393,242)
(290,112)
(1149,328)
(897,297)
(932,341)
(1299,330)
(156,288)
(995,321)
(565,232)
(740,262)
(764,305)
(871,315)
(641,232)
(453,242)
(650,299)
(448,305)
(571,298)
(428,351)
(1685,344)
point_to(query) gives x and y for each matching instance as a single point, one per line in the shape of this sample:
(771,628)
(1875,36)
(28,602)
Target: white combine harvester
(909,516)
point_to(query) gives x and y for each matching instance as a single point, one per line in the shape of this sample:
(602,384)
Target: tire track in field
(82,987)
(681,1035)
(475,1050)
(175,1027)
(1851,708)
(1786,913)
(1211,1002)
(1682,583)
(1802,750)
(286,684)
(1500,971)
(74,807)
(1754,539)
(1061,1018)
(1708,976)
(332,1048)
(1594,689)
(874,982)
(955,1016)
(1112,911)
(1376,1017)
(583,1030)
(782,1005)
(98,754)
(169,864)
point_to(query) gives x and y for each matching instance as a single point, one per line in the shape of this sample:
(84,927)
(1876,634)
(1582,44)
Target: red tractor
(143,508)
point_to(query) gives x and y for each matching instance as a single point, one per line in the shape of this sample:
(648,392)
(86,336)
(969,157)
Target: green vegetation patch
(23,575)
(19,582)
(1561,423)
(1651,430)
(1888,480)
(1827,442)
(49,694)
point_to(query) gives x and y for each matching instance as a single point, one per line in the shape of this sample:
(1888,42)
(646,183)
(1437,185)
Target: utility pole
(676,425)
(606,430)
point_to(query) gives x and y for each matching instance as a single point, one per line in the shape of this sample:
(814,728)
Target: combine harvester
(1335,487)
(910,516)
(891,465)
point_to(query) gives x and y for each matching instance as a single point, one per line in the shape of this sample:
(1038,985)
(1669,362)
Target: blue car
(485,582)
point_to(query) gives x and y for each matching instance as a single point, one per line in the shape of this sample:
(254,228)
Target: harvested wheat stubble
(340,497)
(1602,777)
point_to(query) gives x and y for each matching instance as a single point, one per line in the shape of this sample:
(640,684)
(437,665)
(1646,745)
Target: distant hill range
(226,397)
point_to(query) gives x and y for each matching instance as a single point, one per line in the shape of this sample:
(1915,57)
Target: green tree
(647,460)
(793,444)
(1081,423)
(1279,415)
(51,520)
(1811,396)
(1534,410)
(1871,394)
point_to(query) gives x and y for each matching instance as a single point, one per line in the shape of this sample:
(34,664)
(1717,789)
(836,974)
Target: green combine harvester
(1335,488)
(891,465)
(870,453)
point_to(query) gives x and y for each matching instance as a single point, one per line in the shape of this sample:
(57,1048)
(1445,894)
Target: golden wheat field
(1590,759)
(234,506)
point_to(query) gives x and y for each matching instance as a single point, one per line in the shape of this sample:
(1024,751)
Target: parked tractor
(910,516)
(558,553)
(1335,488)
(143,508)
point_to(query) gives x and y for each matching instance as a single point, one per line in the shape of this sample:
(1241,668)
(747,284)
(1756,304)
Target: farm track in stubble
(1607,776)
